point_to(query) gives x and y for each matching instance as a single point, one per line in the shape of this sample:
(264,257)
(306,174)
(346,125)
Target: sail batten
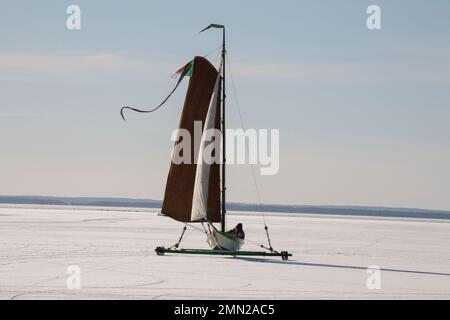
(180,197)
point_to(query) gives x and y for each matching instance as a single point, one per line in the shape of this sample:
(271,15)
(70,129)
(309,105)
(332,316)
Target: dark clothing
(238,233)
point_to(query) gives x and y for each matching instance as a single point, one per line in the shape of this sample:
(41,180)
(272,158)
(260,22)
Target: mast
(224,159)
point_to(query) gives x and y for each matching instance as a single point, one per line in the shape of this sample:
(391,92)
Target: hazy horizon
(232,203)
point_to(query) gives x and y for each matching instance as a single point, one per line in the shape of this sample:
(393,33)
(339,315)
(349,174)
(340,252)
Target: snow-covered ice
(114,250)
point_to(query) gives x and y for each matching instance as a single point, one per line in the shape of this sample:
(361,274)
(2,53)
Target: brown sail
(178,196)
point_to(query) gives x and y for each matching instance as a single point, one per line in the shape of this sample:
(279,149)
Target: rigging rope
(258,194)
(219,47)
(260,245)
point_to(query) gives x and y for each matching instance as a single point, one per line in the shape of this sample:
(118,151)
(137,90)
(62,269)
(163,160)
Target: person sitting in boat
(238,231)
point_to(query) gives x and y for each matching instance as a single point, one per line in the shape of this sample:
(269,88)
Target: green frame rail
(283,254)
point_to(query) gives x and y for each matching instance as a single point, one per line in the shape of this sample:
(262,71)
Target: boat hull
(224,241)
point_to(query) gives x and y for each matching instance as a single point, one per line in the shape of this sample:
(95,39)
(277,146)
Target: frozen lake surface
(114,250)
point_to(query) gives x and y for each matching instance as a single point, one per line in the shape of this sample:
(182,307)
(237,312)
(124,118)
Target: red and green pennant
(185,70)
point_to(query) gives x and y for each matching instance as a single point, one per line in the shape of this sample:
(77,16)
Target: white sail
(201,185)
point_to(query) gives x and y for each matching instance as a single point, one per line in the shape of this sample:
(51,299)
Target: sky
(363,114)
